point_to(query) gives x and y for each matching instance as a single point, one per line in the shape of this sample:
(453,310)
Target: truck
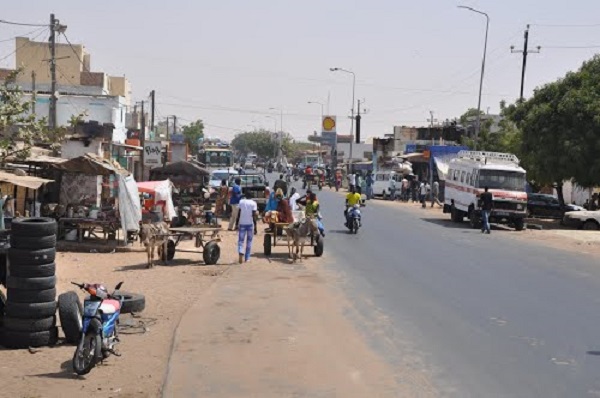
(472,171)
(216,156)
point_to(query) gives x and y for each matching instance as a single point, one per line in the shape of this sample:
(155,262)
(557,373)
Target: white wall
(103,109)
(72,149)
(358,150)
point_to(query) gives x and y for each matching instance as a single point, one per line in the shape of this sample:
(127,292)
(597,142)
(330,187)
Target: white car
(588,220)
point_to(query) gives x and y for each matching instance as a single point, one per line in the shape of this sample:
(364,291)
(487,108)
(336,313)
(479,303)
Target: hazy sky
(228,61)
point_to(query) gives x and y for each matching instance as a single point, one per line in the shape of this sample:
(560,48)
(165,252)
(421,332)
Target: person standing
(351,182)
(486,202)
(294,196)
(392,185)
(234,201)
(405,189)
(369,183)
(221,198)
(248,212)
(422,194)
(435,194)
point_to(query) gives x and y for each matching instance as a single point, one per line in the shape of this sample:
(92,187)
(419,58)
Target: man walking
(392,187)
(351,182)
(369,181)
(248,212)
(435,194)
(234,201)
(423,194)
(486,202)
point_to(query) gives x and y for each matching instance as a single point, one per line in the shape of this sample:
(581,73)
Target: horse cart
(206,240)
(302,232)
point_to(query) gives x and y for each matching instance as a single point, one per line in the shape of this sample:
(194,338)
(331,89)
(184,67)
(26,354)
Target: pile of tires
(30,312)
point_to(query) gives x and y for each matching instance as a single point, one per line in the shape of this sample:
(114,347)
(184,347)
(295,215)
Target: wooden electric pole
(525,52)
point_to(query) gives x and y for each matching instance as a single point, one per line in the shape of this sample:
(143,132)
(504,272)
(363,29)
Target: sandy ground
(280,331)
(139,372)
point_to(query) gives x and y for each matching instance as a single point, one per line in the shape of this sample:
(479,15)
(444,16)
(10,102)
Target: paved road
(484,315)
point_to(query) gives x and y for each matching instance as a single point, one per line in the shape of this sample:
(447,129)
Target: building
(402,136)
(361,151)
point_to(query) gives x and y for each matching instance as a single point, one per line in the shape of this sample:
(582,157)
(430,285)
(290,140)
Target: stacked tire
(30,319)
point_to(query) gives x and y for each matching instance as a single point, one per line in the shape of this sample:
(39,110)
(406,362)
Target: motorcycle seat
(110,306)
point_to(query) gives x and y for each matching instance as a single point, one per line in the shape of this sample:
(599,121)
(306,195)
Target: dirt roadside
(146,341)
(275,329)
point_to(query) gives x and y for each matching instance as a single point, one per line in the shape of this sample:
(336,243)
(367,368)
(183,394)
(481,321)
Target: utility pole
(167,128)
(152,99)
(52,43)
(33,93)
(431,121)
(174,124)
(357,121)
(525,52)
(143,140)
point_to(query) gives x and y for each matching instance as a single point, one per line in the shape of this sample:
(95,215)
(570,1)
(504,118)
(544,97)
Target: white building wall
(103,109)
(74,148)
(358,150)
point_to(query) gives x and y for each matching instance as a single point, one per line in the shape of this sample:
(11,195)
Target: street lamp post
(274,128)
(487,25)
(280,135)
(318,103)
(352,117)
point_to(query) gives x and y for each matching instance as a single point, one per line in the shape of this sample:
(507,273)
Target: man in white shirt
(248,211)
(392,183)
(423,193)
(351,181)
(294,196)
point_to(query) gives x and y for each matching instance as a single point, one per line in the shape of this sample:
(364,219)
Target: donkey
(296,236)
(154,235)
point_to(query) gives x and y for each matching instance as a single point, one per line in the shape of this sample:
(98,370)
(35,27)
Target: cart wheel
(319,246)
(170,254)
(211,254)
(267,244)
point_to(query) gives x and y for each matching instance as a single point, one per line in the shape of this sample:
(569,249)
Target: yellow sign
(328,124)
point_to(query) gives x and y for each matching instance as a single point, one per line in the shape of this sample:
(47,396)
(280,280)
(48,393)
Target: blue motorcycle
(99,322)
(353,218)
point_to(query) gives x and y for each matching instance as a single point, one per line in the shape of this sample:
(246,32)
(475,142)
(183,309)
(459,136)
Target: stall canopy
(129,204)
(91,164)
(23,181)
(183,169)
(162,190)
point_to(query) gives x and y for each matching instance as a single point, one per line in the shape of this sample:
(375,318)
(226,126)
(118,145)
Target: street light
(352,123)
(317,103)
(487,25)
(279,136)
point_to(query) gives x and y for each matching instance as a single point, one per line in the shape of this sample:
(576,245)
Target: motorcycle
(353,218)
(98,327)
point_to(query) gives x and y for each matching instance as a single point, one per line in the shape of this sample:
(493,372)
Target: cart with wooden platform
(206,241)
(278,237)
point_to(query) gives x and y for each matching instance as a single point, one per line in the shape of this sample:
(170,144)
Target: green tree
(259,142)
(19,129)
(561,129)
(192,133)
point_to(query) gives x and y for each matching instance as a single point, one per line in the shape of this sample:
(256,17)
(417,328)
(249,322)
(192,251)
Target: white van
(216,176)
(381,183)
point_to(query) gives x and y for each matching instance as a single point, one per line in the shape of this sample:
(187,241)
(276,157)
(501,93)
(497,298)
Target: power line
(24,44)
(595,25)
(571,47)
(22,24)
(24,34)
(75,52)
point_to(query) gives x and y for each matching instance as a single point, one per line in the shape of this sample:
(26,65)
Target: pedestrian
(392,185)
(369,185)
(422,194)
(281,184)
(405,189)
(351,182)
(363,187)
(234,201)
(435,194)
(221,198)
(486,203)
(294,196)
(414,187)
(248,212)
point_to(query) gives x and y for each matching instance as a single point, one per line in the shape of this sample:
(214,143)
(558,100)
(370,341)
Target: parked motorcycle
(99,322)
(353,218)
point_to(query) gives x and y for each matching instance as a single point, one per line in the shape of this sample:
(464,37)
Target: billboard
(152,153)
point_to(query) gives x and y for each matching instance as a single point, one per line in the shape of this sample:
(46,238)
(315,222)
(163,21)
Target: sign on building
(152,153)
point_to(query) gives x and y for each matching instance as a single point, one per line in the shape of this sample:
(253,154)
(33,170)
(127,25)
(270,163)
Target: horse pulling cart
(302,232)
(206,239)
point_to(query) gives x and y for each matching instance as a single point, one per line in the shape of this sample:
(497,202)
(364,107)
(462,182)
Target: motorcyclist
(353,198)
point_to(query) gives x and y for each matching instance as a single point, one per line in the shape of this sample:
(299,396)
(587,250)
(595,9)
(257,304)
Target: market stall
(188,178)
(158,199)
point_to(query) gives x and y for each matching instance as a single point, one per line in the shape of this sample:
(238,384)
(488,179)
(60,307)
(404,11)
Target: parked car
(547,206)
(588,220)
(254,186)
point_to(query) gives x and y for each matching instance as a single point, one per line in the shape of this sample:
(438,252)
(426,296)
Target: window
(379,177)
(462,176)
(468,179)
(502,179)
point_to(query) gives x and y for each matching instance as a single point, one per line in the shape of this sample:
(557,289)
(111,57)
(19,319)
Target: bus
(216,157)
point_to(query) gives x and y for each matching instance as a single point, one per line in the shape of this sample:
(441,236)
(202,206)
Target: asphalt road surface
(484,315)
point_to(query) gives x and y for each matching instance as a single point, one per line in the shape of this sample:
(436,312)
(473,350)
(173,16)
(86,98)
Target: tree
(192,133)
(19,129)
(561,129)
(260,142)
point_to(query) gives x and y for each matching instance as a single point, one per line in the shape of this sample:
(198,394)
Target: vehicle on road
(216,176)
(381,183)
(254,186)
(99,322)
(353,218)
(548,206)
(588,220)
(216,156)
(471,172)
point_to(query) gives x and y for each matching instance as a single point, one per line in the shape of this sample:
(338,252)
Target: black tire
(519,224)
(33,271)
(33,227)
(14,282)
(132,302)
(33,242)
(319,246)
(70,312)
(29,325)
(170,253)
(590,225)
(211,253)
(355,226)
(473,221)
(267,244)
(31,257)
(14,339)
(30,310)
(31,296)
(82,363)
